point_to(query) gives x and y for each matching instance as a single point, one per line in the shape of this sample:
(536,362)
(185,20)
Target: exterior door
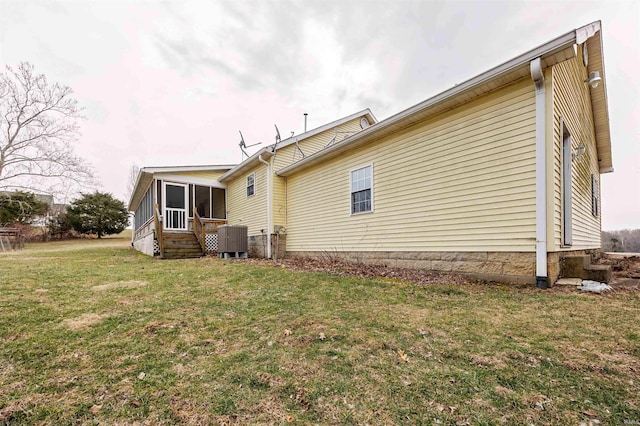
(175,206)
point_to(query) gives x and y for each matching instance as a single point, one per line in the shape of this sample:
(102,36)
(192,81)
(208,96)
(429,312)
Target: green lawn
(105,335)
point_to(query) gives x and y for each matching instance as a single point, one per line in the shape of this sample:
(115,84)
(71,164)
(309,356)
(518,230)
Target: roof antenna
(278,139)
(244,146)
(305,121)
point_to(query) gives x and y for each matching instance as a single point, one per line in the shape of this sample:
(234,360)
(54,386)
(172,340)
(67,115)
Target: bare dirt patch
(83,322)
(487,361)
(625,270)
(119,285)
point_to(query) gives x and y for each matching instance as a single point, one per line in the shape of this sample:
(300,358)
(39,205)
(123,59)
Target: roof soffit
(599,103)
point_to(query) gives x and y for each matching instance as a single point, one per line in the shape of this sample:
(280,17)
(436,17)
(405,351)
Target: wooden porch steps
(181,245)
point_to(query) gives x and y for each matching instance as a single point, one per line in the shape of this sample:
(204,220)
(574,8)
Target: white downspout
(537,74)
(266,163)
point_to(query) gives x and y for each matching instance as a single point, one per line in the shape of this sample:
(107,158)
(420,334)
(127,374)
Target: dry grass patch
(83,321)
(119,285)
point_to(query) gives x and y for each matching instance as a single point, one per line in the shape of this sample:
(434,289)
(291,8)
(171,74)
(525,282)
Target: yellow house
(497,177)
(258,196)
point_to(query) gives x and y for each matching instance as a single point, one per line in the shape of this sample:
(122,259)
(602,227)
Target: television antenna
(278,139)
(244,146)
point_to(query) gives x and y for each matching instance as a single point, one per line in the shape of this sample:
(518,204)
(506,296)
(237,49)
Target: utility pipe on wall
(266,163)
(537,74)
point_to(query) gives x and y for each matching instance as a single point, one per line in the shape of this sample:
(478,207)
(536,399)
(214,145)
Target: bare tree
(134,170)
(38,124)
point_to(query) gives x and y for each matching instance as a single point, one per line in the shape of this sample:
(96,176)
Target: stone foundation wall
(278,245)
(505,267)
(554,260)
(258,246)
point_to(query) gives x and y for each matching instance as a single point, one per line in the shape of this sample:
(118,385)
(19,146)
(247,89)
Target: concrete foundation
(555,262)
(258,246)
(504,267)
(144,244)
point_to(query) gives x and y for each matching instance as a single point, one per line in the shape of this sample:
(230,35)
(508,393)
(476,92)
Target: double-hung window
(361,190)
(251,184)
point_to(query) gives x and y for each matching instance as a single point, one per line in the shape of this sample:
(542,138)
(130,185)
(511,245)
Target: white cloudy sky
(171,83)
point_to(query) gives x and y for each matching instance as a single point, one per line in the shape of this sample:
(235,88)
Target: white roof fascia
(148,172)
(246,164)
(545,50)
(586,32)
(189,179)
(137,194)
(165,169)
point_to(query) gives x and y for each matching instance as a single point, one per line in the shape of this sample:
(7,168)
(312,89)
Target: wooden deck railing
(199,229)
(158,229)
(9,236)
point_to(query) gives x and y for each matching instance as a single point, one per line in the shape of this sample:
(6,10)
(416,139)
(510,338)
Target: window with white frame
(251,184)
(361,190)
(595,195)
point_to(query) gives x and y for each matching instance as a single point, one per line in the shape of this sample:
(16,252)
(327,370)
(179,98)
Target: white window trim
(246,184)
(595,196)
(362,166)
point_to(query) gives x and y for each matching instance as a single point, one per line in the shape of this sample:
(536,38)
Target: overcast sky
(171,83)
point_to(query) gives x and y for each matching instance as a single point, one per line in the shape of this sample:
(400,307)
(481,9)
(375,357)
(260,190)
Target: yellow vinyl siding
(289,154)
(317,142)
(249,211)
(279,200)
(463,180)
(571,103)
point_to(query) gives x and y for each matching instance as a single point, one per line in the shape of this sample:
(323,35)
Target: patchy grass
(106,335)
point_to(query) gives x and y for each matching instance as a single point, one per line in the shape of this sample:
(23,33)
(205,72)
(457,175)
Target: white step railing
(175,218)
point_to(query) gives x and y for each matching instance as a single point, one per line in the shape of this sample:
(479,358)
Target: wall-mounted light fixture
(594,79)
(578,152)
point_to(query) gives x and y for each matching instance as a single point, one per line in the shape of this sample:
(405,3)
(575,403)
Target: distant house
(497,177)
(54,208)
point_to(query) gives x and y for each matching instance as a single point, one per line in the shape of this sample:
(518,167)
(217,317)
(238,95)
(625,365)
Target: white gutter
(537,74)
(266,163)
